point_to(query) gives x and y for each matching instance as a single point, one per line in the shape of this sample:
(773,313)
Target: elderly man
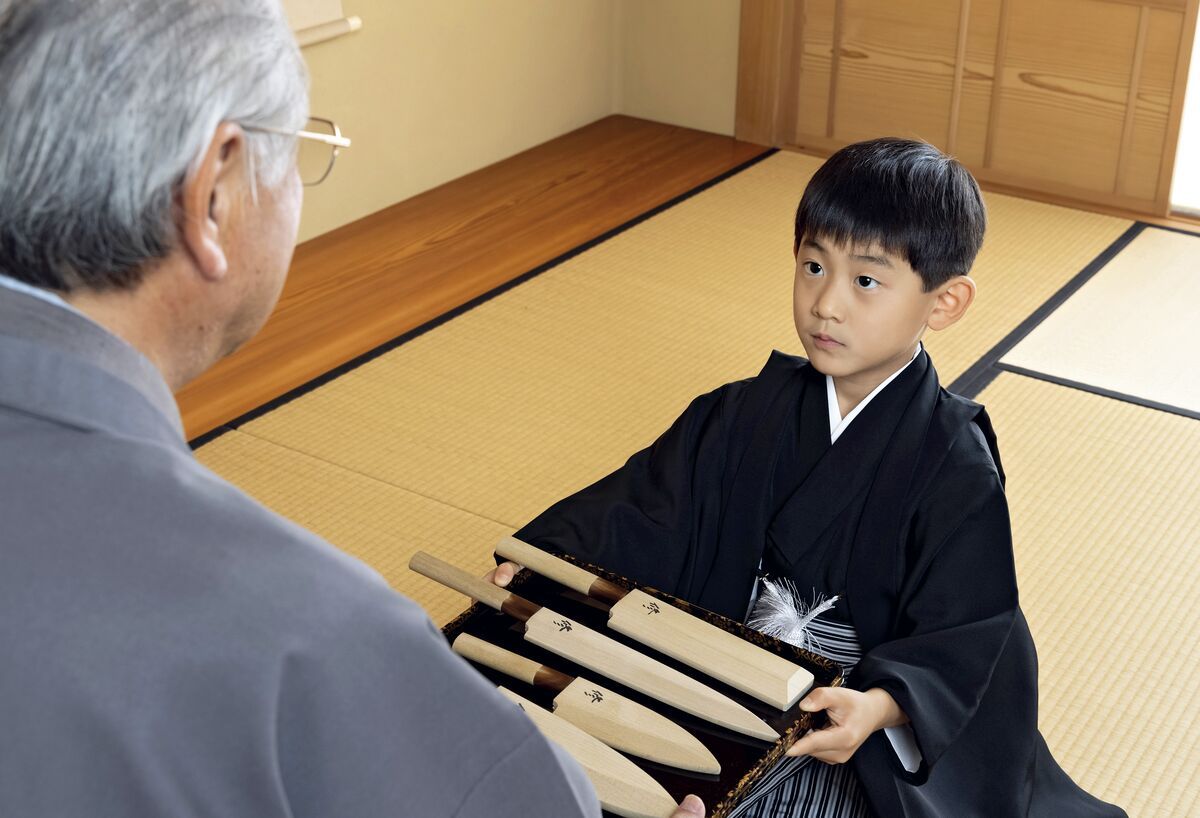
(169,647)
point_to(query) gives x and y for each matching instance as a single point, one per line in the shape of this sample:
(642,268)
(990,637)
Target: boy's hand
(853,717)
(502,574)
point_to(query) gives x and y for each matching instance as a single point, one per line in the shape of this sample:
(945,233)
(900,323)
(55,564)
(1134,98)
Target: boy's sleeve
(956,614)
(642,520)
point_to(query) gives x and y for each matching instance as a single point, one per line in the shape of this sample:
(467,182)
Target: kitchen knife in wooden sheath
(584,646)
(685,638)
(619,722)
(622,786)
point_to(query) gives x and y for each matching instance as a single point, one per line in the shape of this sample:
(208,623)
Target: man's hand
(853,717)
(689,807)
(502,574)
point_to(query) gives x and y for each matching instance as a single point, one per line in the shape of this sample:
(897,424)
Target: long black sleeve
(644,520)
(956,614)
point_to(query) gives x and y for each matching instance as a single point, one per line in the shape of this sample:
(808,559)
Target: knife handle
(507,662)
(561,571)
(479,589)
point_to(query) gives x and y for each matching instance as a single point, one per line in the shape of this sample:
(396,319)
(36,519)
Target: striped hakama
(805,787)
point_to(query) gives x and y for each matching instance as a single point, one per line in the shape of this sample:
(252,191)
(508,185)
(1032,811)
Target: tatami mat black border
(399,340)
(981,374)
(987,368)
(1185,231)
(1096,390)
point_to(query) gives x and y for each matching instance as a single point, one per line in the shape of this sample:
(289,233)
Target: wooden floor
(361,285)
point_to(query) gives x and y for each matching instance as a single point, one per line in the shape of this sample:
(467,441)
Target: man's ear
(952,301)
(207,199)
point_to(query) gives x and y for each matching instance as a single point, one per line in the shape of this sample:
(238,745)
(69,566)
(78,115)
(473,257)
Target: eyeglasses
(320,142)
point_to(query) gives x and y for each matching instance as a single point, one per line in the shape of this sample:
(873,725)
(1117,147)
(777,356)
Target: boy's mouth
(826,342)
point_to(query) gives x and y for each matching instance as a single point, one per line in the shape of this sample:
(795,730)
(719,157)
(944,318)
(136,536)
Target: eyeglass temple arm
(329,139)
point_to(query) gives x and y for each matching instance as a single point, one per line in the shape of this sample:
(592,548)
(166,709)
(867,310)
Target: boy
(854,475)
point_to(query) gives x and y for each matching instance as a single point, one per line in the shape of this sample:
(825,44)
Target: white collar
(37,292)
(839,424)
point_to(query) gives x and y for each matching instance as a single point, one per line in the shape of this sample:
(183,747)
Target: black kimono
(905,516)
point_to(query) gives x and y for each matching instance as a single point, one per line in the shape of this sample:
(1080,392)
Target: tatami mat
(475,426)
(1030,251)
(377,523)
(1105,505)
(1132,329)
(553,383)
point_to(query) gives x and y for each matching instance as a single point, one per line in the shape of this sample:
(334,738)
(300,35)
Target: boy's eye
(866,282)
(813,268)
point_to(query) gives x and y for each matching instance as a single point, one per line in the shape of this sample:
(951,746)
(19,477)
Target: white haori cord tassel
(782,614)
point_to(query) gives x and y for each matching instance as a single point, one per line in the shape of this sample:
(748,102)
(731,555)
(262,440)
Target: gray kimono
(169,647)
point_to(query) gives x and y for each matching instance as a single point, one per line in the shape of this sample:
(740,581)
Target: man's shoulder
(267,551)
(176,516)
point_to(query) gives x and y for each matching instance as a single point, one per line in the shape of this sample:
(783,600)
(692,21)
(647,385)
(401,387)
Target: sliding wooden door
(1076,98)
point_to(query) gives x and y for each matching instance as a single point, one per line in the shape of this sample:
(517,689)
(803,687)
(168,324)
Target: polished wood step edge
(388,346)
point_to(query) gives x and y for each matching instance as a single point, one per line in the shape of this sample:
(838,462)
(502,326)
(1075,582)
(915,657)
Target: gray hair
(105,105)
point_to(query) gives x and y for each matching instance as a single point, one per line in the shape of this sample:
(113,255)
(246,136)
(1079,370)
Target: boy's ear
(952,301)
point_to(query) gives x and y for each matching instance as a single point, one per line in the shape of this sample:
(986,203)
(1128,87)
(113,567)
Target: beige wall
(430,91)
(678,61)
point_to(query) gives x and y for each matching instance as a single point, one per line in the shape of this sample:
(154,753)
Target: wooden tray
(744,760)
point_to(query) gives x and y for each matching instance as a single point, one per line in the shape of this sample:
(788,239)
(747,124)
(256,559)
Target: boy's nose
(826,306)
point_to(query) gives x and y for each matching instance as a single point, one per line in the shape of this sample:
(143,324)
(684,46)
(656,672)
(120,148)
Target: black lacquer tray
(744,760)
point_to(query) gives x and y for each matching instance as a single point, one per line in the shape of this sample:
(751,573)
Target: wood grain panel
(1162,205)
(816,69)
(1151,106)
(363,284)
(1079,99)
(960,60)
(1168,5)
(998,62)
(791,58)
(1065,80)
(1033,187)
(762,63)
(975,106)
(1131,96)
(835,66)
(897,70)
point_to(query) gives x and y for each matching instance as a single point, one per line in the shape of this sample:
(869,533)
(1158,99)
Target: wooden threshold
(361,285)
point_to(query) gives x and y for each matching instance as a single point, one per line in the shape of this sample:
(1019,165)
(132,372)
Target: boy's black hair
(904,196)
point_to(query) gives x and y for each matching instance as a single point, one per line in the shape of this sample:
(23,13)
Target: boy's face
(859,311)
